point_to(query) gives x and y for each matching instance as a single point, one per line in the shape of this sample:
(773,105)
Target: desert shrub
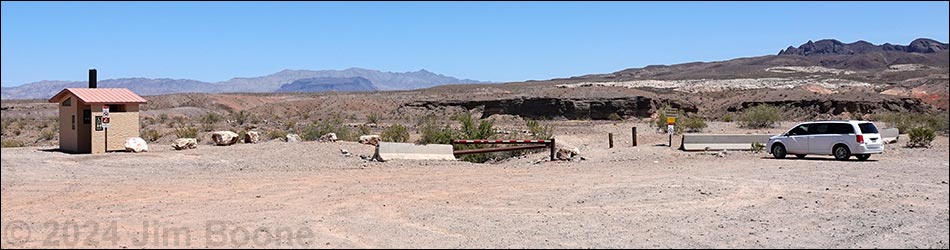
(469,130)
(47,134)
(209,119)
(856,116)
(472,128)
(147,120)
(240,117)
(364,130)
(320,128)
(291,125)
(614,117)
(727,118)
(180,120)
(433,133)
(693,124)
(757,147)
(372,118)
(921,137)
(539,131)
(395,133)
(277,134)
(907,121)
(162,118)
(150,135)
(11,144)
(761,116)
(186,132)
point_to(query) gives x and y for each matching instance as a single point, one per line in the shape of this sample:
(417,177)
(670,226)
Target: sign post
(670,128)
(105,125)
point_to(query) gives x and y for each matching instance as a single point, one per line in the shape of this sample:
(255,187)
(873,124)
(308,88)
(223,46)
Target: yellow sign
(671,121)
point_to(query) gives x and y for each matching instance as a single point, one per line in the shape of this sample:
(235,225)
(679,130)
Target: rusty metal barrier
(547,144)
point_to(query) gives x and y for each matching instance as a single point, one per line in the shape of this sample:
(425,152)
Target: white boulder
(136,145)
(252,137)
(329,137)
(185,143)
(293,137)
(224,138)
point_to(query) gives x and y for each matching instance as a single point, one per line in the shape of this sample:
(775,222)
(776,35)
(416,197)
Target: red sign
(105,119)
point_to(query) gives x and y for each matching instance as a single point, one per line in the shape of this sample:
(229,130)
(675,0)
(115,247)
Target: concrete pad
(408,151)
(694,142)
(890,135)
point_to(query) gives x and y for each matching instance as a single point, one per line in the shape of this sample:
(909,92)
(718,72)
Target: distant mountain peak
(835,47)
(350,79)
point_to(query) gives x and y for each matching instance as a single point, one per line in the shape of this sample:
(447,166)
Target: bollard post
(634,135)
(552,149)
(610,139)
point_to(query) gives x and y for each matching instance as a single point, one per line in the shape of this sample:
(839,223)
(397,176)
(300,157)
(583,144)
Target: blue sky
(493,41)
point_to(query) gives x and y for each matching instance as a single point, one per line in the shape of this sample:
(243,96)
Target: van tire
(841,152)
(778,151)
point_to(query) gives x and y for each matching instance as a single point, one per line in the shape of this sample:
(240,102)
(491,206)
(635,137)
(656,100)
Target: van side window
(800,130)
(842,129)
(820,129)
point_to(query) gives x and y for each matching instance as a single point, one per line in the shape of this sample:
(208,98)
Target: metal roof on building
(103,95)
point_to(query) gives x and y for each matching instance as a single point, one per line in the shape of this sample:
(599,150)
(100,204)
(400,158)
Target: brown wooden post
(610,139)
(634,136)
(552,149)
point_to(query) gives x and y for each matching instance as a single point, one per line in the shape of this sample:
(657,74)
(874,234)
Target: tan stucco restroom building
(81,124)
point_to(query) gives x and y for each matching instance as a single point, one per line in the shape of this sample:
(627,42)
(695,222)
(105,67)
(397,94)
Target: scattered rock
(370,139)
(292,138)
(136,145)
(345,152)
(252,137)
(566,152)
(224,138)
(329,137)
(185,143)
(722,154)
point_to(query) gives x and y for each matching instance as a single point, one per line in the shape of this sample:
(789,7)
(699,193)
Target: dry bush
(693,124)
(151,135)
(921,137)
(186,132)
(761,116)
(395,133)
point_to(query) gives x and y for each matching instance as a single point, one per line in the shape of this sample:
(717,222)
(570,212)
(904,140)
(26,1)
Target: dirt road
(308,195)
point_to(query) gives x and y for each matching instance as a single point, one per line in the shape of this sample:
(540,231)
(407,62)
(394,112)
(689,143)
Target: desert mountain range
(921,64)
(283,81)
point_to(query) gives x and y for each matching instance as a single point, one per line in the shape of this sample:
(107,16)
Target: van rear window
(868,128)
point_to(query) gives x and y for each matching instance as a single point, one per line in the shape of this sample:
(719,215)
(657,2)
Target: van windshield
(868,128)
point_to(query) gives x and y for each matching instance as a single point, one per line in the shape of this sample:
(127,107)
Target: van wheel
(778,151)
(842,153)
(863,157)
(800,156)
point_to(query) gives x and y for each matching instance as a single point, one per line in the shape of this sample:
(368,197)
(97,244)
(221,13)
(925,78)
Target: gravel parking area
(308,195)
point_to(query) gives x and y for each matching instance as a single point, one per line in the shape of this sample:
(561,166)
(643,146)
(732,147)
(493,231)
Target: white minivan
(841,139)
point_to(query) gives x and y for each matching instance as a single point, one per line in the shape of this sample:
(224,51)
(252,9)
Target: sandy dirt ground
(308,195)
